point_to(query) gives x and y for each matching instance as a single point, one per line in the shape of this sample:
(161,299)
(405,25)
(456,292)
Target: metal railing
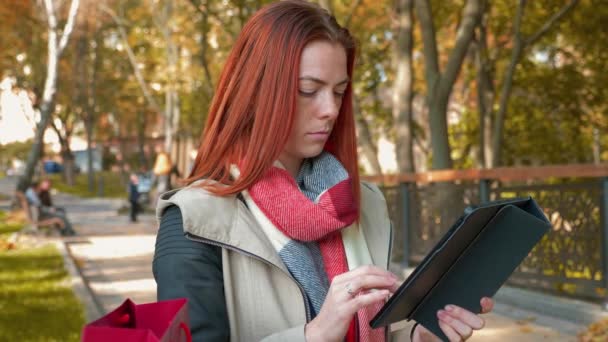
(570,260)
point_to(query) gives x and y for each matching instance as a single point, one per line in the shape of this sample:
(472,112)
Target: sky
(16,114)
(18,118)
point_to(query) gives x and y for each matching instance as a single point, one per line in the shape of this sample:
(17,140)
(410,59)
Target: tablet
(472,260)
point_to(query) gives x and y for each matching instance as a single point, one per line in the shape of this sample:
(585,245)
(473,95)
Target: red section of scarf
(278,197)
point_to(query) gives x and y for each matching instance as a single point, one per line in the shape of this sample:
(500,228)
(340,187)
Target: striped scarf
(305,220)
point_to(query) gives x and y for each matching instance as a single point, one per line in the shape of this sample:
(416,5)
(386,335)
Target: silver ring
(349,290)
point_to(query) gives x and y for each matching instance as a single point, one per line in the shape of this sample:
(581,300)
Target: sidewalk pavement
(113,259)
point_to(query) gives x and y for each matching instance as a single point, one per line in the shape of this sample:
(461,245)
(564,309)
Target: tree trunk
(67,158)
(141,139)
(68,167)
(403,87)
(520,43)
(366,141)
(597,146)
(485,93)
(123,171)
(204,29)
(440,144)
(172,113)
(505,94)
(47,106)
(136,71)
(440,85)
(90,171)
(46,109)
(91,105)
(439,89)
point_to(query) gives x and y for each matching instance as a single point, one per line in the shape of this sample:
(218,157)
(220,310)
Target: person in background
(162,170)
(134,196)
(174,176)
(44,194)
(48,212)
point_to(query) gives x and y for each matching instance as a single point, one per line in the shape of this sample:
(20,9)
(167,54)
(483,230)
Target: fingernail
(442,316)
(450,307)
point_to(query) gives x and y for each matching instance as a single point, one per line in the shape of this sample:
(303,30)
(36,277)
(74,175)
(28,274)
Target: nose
(330,106)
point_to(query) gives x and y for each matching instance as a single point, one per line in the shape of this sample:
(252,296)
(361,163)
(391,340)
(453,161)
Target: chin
(312,153)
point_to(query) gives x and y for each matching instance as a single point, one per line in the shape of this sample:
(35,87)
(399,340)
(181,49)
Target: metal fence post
(604,251)
(484,191)
(405,222)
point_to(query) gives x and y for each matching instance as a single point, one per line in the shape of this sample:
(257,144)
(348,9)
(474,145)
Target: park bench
(31,215)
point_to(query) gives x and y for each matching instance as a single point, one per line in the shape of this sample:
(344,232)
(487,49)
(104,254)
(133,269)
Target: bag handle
(183,326)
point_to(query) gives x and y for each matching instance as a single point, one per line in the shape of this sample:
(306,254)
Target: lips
(320,131)
(318,135)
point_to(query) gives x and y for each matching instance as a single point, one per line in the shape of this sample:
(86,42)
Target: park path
(114,258)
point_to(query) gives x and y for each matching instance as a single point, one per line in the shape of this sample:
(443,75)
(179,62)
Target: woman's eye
(339,94)
(307,93)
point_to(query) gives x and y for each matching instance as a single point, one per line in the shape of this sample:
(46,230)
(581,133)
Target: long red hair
(252,113)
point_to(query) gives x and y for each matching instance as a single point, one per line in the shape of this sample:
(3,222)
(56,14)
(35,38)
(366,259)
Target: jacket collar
(227,222)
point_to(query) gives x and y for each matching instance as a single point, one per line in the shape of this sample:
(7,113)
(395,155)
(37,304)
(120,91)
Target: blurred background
(457,103)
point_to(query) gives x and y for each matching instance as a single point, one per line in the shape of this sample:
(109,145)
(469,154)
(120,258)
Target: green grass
(8,227)
(112,185)
(35,301)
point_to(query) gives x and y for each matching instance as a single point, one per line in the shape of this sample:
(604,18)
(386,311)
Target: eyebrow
(320,81)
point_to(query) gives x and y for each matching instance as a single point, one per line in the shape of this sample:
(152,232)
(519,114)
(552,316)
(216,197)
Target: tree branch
(471,15)
(140,79)
(353,8)
(518,46)
(549,23)
(69,25)
(403,90)
(431,59)
(206,11)
(58,132)
(50,14)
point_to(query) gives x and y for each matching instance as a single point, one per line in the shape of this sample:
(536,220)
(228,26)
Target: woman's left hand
(456,323)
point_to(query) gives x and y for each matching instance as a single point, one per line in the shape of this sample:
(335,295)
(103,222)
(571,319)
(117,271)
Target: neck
(291,164)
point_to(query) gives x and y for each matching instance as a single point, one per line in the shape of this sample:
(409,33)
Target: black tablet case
(472,260)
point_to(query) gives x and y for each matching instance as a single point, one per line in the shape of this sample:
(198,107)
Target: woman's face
(323,81)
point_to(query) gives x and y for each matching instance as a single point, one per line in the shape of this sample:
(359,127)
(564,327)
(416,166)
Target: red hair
(252,113)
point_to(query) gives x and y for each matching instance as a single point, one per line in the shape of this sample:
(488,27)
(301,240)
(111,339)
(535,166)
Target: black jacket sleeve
(190,269)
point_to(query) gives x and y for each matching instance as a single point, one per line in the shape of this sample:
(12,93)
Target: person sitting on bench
(45,213)
(44,194)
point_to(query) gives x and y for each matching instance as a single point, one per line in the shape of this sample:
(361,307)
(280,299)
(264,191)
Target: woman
(275,238)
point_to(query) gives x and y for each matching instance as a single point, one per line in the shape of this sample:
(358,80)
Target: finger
(366,299)
(461,328)
(487,304)
(364,270)
(449,332)
(466,316)
(373,282)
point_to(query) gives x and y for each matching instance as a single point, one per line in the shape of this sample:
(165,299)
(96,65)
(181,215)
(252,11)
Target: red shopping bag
(164,321)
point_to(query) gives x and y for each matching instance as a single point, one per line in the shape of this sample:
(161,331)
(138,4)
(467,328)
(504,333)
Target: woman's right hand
(348,293)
